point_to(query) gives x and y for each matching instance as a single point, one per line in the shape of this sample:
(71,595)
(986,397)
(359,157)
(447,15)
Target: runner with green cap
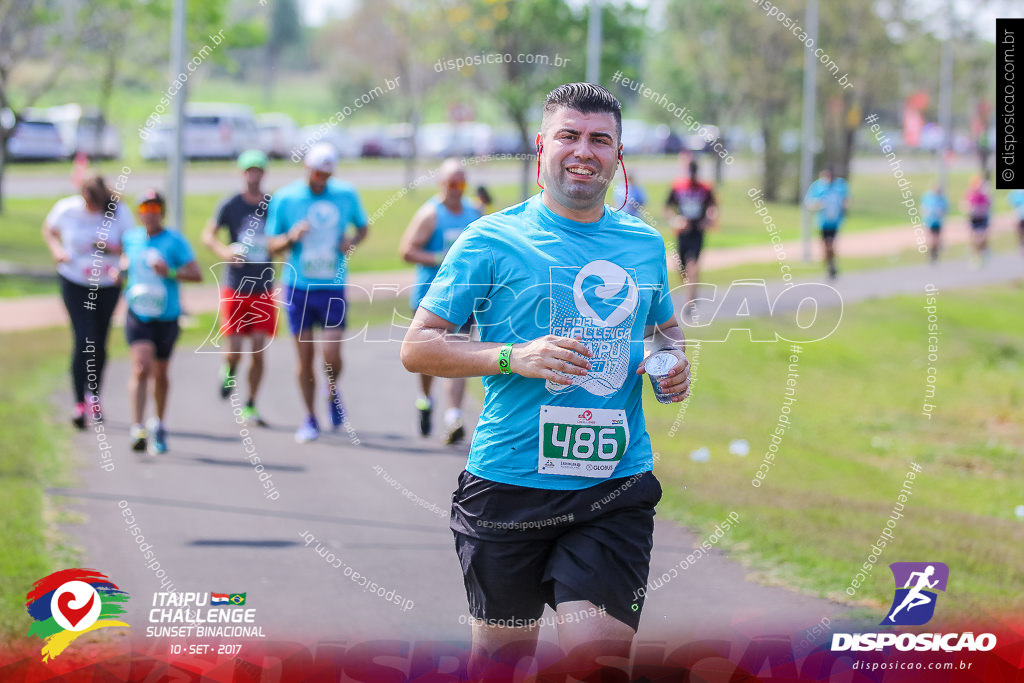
(247,306)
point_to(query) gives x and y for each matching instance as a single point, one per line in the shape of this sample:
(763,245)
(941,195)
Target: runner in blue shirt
(428,238)
(156,258)
(1016,199)
(934,206)
(830,197)
(565,291)
(310,219)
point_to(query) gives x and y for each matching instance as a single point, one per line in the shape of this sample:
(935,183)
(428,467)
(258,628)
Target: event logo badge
(70,603)
(914,603)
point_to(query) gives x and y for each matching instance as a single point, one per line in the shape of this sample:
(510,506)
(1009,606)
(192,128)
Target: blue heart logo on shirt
(609,300)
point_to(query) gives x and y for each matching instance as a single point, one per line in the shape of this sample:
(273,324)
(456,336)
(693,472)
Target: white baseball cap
(321,157)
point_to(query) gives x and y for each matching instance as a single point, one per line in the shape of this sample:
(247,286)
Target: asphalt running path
(379,505)
(33,312)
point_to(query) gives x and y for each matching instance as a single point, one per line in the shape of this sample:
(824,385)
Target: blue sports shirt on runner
(1016,199)
(149,296)
(831,197)
(526,272)
(447,229)
(934,207)
(315,260)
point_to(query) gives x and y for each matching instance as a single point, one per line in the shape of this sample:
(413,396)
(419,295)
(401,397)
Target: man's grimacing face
(579,156)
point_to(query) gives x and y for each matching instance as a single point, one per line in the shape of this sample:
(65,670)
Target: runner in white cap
(309,218)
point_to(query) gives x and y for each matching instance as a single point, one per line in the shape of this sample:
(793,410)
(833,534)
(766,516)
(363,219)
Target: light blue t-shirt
(151,297)
(934,207)
(447,229)
(316,260)
(831,197)
(1016,199)
(526,272)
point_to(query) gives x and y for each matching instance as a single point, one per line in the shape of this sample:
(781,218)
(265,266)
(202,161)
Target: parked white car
(455,139)
(278,134)
(79,130)
(35,141)
(212,131)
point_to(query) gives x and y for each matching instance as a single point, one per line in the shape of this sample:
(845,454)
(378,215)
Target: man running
(830,197)
(310,219)
(247,306)
(428,238)
(934,206)
(691,208)
(156,259)
(564,290)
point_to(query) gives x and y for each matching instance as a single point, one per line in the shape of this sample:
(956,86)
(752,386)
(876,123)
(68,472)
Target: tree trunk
(524,180)
(268,77)
(771,177)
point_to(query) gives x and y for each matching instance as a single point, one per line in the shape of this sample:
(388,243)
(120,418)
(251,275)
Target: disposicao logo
(69,603)
(913,604)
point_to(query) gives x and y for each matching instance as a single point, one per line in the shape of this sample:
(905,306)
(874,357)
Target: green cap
(252,158)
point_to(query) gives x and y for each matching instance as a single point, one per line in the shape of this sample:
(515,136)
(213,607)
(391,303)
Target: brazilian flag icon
(237,598)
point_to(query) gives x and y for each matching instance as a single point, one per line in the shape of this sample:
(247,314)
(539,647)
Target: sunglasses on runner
(457,184)
(319,176)
(150,207)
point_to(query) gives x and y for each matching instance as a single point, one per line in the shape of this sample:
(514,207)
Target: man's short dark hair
(586,98)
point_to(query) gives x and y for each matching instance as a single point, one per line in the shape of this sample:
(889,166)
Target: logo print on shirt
(323,215)
(598,303)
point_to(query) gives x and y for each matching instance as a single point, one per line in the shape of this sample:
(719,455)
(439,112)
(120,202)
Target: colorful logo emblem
(916,583)
(69,603)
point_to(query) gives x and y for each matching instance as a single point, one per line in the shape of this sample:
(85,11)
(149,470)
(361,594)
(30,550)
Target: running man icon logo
(916,583)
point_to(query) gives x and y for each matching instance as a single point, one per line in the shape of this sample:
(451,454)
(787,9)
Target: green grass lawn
(857,424)
(33,455)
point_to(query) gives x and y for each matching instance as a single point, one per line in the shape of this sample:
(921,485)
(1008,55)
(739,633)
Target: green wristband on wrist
(172,273)
(504,359)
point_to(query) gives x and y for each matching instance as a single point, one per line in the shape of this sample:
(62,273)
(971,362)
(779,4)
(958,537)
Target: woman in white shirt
(83,233)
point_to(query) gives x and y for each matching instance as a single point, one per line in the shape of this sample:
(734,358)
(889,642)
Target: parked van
(212,131)
(79,129)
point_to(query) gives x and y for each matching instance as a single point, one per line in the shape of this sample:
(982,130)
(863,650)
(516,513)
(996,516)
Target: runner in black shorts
(556,505)
(156,259)
(691,208)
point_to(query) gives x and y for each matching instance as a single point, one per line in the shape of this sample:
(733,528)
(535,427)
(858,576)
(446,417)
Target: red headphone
(625,176)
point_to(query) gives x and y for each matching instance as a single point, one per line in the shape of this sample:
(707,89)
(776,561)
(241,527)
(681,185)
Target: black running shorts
(162,333)
(522,548)
(689,243)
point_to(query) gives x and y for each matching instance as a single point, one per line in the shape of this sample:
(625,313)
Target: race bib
(692,207)
(258,252)
(582,442)
(319,260)
(448,237)
(833,208)
(147,299)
